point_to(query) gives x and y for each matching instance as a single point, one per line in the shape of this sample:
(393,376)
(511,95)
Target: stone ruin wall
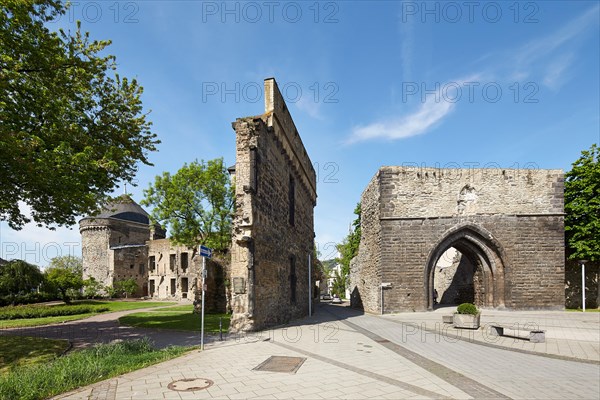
(271,162)
(521,209)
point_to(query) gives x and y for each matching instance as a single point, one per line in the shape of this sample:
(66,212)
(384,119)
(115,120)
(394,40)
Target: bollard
(220,329)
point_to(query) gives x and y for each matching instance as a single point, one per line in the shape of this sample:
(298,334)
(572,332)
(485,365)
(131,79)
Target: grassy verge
(82,368)
(108,306)
(18,351)
(586,310)
(179,318)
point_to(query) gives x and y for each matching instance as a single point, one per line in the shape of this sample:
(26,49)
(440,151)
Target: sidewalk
(569,335)
(345,354)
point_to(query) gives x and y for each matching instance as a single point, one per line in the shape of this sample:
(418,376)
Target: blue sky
(368,83)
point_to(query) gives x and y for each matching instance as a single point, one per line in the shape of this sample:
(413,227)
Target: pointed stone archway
(483,251)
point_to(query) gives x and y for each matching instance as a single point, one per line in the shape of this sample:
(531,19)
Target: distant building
(120,243)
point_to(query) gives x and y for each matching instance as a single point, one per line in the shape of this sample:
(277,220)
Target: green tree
(91,288)
(582,206)
(196,203)
(348,249)
(127,286)
(19,277)
(64,275)
(71,129)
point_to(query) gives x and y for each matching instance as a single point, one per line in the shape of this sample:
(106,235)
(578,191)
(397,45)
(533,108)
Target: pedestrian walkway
(349,355)
(569,335)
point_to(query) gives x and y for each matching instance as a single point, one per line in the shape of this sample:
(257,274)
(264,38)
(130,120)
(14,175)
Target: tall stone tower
(114,243)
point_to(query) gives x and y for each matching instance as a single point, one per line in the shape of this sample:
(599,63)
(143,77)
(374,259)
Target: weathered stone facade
(120,243)
(507,223)
(173,271)
(114,244)
(273,227)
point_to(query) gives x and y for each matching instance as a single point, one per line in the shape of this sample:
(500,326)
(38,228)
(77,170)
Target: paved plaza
(346,354)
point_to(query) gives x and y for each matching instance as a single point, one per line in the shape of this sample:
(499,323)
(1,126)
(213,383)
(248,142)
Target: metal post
(202,320)
(220,329)
(309,288)
(583,286)
(381,299)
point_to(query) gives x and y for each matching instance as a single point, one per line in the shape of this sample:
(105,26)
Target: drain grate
(190,385)
(281,364)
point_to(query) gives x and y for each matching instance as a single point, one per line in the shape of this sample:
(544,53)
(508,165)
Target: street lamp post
(582,263)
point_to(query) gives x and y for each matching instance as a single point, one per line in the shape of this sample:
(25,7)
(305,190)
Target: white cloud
(541,52)
(428,115)
(554,75)
(435,107)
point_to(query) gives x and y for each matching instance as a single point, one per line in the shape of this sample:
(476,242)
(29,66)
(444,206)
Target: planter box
(466,321)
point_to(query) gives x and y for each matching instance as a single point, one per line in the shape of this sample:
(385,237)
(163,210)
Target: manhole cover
(190,385)
(281,364)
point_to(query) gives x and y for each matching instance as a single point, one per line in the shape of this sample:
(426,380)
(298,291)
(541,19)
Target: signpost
(582,263)
(205,252)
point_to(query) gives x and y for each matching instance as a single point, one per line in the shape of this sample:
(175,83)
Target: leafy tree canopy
(71,129)
(348,249)
(63,274)
(18,276)
(582,206)
(195,203)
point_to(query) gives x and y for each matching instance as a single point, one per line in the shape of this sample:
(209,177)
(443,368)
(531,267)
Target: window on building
(184,261)
(151,263)
(130,266)
(293,279)
(172,258)
(142,268)
(173,286)
(152,287)
(292,200)
(184,288)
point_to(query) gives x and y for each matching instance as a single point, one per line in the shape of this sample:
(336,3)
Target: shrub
(467,308)
(23,312)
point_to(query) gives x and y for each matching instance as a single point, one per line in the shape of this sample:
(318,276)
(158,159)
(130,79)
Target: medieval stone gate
(507,224)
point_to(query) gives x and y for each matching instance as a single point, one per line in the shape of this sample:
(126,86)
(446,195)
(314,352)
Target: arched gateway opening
(479,276)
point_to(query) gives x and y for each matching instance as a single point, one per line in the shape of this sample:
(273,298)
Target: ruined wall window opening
(152,287)
(172,260)
(142,268)
(173,286)
(152,263)
(130,266)
(184,288)
(292,200)
(293,279)
(184,261)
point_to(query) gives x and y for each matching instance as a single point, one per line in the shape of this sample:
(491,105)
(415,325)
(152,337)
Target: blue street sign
(205,251)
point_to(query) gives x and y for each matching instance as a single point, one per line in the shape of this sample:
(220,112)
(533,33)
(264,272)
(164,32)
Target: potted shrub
(466,316)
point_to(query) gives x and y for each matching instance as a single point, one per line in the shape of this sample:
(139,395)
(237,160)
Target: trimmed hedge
(23,312)
(28,298)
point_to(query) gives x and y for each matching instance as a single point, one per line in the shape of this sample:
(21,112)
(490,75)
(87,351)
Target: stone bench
(535,335)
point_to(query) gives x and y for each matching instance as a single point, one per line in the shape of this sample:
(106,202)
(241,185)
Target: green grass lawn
(80,368)
(111,305)
(22,350)
(179,318)
(586,310)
